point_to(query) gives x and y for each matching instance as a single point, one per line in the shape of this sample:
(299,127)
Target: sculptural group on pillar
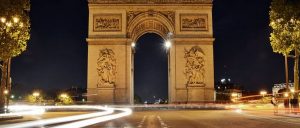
(106,67)
(194,68)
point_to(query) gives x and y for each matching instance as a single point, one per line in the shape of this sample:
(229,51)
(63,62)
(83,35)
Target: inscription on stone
(106,67)
(194,67)
(107,22)
(193,22)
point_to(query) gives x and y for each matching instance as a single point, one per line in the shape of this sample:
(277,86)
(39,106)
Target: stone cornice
(150,1)
(107,41)
(196,41)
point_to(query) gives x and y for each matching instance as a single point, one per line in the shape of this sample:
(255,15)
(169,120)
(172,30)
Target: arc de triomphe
(115,24)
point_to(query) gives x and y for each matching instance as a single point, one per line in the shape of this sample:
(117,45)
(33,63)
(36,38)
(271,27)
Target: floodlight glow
(234,94)
(16,19)
(168,44)
(36,94)
(286,94)
(292,90)
(9,24)
(263,93)
(3,20)
(64,95)
(5,92)
(223,80)
(133,44)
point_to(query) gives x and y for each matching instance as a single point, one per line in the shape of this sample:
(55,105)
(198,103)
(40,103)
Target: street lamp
(133,44)
(168,44)
(234,96)
(6,92)
(64,95)
(292,90)
(36,96)
(7,26)
(286,94)
(263,93)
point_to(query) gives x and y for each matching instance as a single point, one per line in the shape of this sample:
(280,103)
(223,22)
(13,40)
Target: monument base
(101,95)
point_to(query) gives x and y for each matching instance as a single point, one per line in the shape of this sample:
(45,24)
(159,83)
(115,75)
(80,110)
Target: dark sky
(56,56)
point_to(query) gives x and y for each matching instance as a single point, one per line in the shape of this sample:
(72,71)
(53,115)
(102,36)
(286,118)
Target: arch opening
(150,69)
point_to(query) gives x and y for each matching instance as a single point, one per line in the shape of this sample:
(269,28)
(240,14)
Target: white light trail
(21,110)
(106,111)
(88,122)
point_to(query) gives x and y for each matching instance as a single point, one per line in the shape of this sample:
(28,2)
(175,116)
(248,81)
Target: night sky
(56,56)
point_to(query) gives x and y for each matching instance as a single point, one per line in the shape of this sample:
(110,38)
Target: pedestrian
(275,104)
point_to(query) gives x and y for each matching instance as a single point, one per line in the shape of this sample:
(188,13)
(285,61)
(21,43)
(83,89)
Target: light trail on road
(21,110)
(44,122)
(88,122)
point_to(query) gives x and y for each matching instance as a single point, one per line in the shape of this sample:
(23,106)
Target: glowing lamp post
(36,96)
(234,96)
(263,93)
(64,95)
(133,44)
(286,95)
(6,92)
(8,25)
(168,44)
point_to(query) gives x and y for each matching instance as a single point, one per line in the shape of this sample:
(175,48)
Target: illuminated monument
(115,24)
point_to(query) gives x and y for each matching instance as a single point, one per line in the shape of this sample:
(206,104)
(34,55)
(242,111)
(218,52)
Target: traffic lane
(196,119)
(222,119)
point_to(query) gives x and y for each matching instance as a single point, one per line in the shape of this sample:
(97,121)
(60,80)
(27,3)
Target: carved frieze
(194,67)
(170,15)
(131,15)
(193,22)
(107,22)
(106,68)
(149,25)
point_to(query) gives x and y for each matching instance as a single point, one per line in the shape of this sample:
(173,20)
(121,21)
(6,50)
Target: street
(202,119)
(186,119)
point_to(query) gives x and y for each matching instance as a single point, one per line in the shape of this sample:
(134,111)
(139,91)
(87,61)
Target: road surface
(186,119)
(202,119)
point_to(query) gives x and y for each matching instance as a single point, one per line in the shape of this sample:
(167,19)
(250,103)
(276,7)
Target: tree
(34,99)
(65,99)
(14,34)
(285,38)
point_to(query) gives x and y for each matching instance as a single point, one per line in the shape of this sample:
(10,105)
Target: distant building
(226,90)
(281,86)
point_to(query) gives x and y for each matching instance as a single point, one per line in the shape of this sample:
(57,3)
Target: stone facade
(115,24)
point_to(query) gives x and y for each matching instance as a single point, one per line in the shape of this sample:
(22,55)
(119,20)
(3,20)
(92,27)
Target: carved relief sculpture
(106,67)
(107,22)
(193,22)
(194,67)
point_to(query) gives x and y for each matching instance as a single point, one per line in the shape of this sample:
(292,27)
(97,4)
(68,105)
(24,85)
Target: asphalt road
(186,119)
(202,119)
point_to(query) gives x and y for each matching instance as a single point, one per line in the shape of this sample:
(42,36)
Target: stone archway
(115,25)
